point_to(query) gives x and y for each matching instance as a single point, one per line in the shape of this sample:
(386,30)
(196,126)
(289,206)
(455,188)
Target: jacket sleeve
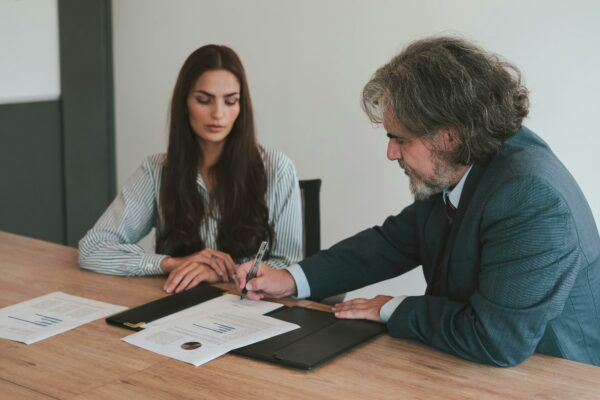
(110,247)
(375,254)
(530,258)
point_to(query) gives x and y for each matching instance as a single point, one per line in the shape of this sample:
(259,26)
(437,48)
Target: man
(507,241)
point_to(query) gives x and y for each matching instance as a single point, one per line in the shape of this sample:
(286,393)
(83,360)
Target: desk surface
(90,362)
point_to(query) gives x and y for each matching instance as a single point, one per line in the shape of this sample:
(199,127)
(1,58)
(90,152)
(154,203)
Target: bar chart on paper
(38,319)
(41,317)
(217,328)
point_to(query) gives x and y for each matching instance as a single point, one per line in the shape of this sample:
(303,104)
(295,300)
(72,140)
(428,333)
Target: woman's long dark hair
(239,176)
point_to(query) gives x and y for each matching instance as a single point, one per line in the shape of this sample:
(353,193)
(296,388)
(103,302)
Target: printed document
(49,315)
(226,301)
(223,325)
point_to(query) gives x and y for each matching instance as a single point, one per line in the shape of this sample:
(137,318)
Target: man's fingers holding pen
(269,282)
(242,272)
(252,295)
(273,283)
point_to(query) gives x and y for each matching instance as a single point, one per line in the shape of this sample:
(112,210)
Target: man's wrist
(300,281)
(294,290)
(388,308)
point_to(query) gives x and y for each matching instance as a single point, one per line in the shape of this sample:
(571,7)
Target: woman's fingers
(230,265)
(176,275)
(188,276)
(192,278)
(220,262)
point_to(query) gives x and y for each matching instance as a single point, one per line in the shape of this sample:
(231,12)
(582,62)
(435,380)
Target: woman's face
(213,106)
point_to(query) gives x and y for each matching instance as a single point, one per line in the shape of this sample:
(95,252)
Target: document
(226,301)
(45,316)
(218,328)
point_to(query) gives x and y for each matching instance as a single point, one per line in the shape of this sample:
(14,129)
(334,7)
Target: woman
(213,198)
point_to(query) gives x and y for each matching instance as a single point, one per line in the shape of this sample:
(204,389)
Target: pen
(252,273)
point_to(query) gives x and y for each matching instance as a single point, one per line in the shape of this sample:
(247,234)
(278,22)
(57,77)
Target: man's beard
(423,188)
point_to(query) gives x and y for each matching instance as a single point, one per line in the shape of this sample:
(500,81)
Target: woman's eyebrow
(212,95)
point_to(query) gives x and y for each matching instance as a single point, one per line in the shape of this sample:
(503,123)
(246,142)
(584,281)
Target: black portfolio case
(321,337)
(136,317)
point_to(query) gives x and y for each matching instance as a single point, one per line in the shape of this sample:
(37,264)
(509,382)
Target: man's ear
(450,137)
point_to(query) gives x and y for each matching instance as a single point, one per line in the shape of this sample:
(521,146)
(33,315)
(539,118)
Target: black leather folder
(136,317)
(320,338)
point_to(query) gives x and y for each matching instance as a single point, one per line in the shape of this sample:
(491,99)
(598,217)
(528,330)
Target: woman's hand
(189,275)
(206,265)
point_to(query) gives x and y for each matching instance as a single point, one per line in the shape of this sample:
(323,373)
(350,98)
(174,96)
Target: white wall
(29,56)
(308,60)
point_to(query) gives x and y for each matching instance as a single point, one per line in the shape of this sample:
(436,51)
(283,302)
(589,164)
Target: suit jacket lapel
(465,200)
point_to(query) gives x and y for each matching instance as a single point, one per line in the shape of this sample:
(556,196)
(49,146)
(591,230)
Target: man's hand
(269,282)
(361,308)
(220,262)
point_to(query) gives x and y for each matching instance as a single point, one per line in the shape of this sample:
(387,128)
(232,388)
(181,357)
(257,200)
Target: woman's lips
(215,128)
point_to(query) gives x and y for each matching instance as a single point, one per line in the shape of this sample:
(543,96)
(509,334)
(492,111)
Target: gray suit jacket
(522,273)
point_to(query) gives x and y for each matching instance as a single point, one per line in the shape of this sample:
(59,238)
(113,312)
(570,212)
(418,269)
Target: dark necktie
(437,282)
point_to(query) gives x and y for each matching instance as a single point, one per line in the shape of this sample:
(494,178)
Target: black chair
(311,219)
(311,215)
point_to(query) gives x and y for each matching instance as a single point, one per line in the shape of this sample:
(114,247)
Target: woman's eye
(202,100)
(231,102)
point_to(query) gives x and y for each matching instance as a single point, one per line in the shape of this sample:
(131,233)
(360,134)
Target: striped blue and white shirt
(111,247)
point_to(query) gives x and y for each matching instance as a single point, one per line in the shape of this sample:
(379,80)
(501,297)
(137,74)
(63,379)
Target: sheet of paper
(199,338)
(226,301)
(49,315)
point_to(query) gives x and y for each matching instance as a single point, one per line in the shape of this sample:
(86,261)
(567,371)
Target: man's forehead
(389,119)
(391,123)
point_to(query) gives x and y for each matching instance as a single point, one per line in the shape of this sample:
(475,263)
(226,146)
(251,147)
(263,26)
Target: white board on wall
(29,52)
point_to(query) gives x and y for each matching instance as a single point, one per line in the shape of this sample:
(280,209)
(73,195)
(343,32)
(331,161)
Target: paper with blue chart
(49,315)
(213,329)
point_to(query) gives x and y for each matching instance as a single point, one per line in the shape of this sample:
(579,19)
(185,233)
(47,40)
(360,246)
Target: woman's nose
(218,110)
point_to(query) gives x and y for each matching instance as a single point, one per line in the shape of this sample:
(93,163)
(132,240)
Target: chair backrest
(311,215)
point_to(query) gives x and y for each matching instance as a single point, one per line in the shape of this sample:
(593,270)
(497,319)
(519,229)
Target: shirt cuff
(302,288)
(388,308)
(150,264)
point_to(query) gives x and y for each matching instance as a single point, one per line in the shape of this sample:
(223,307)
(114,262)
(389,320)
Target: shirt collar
(454,195)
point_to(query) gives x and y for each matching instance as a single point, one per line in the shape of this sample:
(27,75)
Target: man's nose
(394,153)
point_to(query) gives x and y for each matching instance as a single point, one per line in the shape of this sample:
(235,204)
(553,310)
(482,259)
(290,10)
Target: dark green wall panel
(31,176)
(87,106)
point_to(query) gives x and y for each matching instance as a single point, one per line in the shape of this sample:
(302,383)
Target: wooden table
(90,362)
